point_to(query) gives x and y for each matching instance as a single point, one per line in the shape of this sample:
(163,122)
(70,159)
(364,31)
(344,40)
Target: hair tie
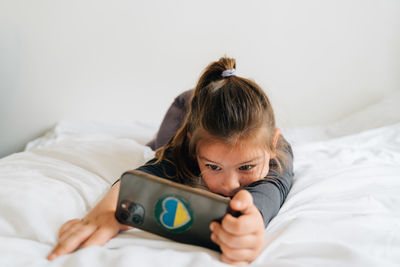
(228,73)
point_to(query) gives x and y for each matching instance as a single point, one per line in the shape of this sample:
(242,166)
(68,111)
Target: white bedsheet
(343,208)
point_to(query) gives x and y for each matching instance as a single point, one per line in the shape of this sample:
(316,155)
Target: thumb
(242,201)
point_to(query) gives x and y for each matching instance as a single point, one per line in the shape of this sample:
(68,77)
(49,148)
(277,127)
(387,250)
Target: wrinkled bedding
(343,208)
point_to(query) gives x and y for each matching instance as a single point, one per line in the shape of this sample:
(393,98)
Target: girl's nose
(230,183)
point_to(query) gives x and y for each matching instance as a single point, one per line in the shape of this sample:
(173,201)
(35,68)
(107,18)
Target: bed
(343,208)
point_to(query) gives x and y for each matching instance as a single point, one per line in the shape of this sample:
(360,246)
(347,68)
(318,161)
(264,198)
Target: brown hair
(226,109)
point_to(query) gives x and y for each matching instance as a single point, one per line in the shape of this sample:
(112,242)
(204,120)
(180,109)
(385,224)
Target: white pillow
(95,130)
(382,113)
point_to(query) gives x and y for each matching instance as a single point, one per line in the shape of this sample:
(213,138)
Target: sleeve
(270,193)
(164,169)
(173,120)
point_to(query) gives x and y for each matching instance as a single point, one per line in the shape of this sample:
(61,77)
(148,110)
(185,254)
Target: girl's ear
(276,136)
(188,134)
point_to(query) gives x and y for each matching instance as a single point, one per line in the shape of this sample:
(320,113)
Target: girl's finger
(242,201)
(67,226)
(232,262)
(236,241)
(72,241)
(245,224)
(73,229)
(100,237)
(239,255)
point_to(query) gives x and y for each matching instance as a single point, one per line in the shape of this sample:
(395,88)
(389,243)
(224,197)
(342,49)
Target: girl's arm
(96,228)
(270,193)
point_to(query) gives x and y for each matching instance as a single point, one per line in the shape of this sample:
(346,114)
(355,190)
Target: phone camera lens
(124,215)
(136,219)
(137,212)
(133,207)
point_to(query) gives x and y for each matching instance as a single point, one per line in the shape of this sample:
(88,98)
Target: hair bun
(217,70)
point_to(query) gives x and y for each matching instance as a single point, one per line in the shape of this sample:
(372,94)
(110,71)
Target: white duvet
(343,208)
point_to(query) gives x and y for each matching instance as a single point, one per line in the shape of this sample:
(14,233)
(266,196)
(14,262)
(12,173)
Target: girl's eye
(213,167)
(246,167)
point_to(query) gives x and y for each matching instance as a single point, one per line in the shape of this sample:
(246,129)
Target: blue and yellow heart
(173,213)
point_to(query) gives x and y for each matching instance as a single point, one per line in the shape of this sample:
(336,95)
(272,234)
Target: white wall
(108,60)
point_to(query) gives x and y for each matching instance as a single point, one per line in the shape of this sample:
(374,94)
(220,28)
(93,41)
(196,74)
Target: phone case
(169,209)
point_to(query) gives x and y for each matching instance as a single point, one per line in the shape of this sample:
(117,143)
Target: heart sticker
(173,213)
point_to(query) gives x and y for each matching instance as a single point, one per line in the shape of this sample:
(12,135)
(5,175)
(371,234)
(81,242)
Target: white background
(126,60)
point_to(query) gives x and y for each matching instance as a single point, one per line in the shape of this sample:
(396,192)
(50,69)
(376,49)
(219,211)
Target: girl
(228,143)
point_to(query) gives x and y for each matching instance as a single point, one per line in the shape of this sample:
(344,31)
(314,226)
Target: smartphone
(169,209)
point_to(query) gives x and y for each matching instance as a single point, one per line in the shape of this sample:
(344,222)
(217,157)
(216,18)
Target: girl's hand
(240,239)
(95,229)
(89,231)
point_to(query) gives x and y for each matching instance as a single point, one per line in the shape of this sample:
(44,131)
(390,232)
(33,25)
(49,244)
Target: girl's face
(226,169)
